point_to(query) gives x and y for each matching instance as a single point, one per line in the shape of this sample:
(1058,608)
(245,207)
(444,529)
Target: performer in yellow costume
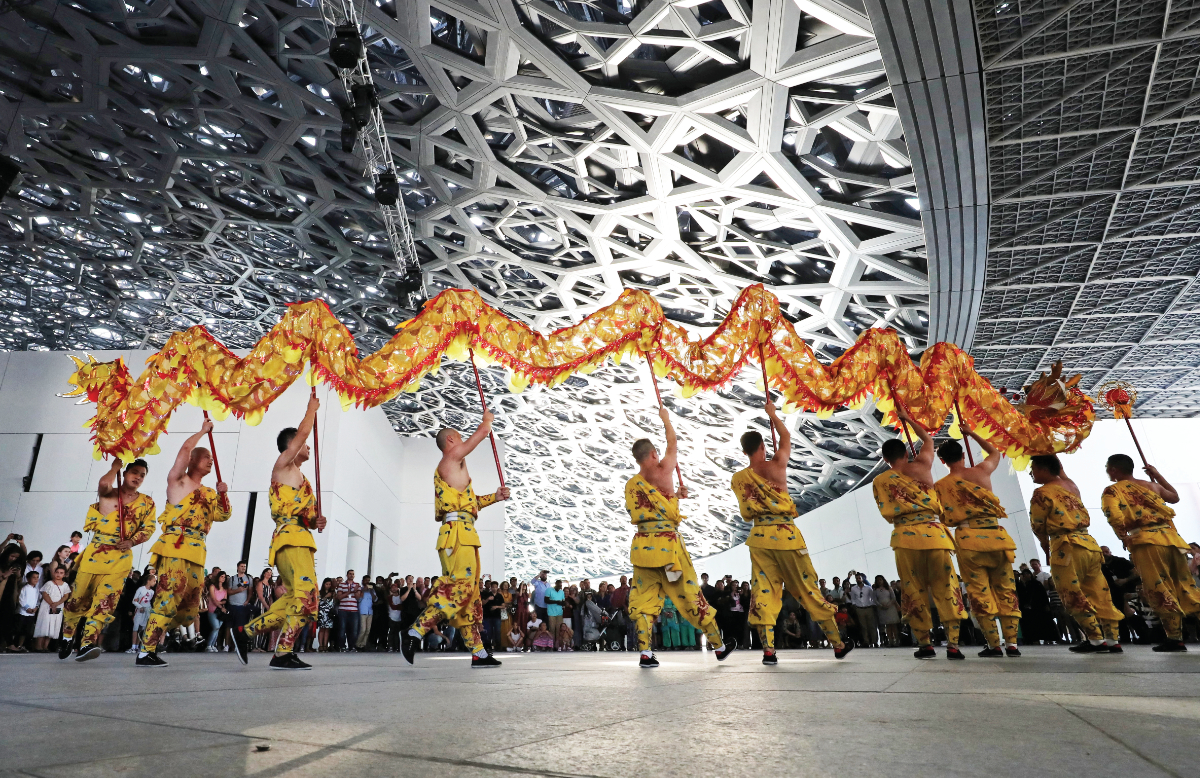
(908,501)
(192,509)
(456,597)
(294,511)
(778,554)
(662,566)
(1138,513)
(1061,523)
(107,560)
(985,549)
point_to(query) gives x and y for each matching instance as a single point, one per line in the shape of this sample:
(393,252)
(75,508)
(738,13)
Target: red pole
(316,460)
(654,380)
(896,400)
(767,389)
(491,435)
(212,446)
(966,438)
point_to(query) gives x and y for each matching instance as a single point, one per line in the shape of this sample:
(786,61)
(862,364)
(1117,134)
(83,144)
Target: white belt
(455,516)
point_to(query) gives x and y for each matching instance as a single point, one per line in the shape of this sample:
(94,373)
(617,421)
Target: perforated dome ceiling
(182,165)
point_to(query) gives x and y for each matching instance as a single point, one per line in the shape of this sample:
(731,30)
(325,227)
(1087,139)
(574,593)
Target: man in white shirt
(531,631)
(836,594)
(862,600)
(1038,572)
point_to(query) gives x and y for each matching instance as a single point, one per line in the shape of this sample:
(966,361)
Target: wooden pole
(966,438)
(120,505)
(1133,434)
(896,400)
(317,461)
(212,445)
(491,435)
(767,390)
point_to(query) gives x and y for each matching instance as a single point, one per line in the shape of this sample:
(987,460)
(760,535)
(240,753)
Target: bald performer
(178,556)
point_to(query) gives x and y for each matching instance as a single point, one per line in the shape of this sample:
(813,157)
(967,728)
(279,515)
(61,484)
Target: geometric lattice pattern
(1094,155)
(183,165)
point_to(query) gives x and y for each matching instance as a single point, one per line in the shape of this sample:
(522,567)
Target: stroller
(599,628)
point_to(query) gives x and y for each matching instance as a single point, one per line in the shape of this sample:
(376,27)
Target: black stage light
(346,46)
(349,137)
(387,189)
(364,102)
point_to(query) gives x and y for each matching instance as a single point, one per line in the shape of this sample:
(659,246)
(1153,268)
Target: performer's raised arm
(108,482)
(298,442)
(783,450)
(183,459)
(925,455)
(992,461)
(670,457)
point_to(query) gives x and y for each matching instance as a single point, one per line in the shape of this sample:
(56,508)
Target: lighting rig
(363,117)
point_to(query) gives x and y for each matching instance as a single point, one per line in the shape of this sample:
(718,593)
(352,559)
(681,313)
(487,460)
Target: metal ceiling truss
(1094,158)
(183,165)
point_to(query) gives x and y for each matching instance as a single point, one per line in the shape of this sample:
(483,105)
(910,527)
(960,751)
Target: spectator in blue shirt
(366,613)
(554,611)
(539,594)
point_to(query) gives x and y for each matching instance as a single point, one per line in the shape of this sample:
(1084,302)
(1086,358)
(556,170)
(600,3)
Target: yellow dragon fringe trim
(193,367)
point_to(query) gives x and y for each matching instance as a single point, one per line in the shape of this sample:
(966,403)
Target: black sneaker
(952,652)
(485,661)
(1086,647)
(769,658)
(241,643)
(408,647)
(724,651)
(67,646)
(197,644)
(648,662)
(1115,648)
(288,661)
(1170,647)
(149,660)
(1012,651)
(847,647)
(86,653)
(925,652)
(990,652)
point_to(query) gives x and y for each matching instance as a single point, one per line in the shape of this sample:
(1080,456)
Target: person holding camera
(101,569)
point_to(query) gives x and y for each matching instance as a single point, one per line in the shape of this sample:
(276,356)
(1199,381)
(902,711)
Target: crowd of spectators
(539,615)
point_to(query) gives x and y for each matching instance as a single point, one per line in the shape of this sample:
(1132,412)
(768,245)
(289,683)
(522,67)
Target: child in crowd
(566,637)
(142,600)
(543,640)
(27,606)
(842,617)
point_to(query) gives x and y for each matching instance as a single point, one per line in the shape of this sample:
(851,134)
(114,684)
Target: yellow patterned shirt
(913,510)
(463,507)
(102,555)
(1057,515)
(1139,516)
(657,542)
(185,526)
(975,513)
(772,511)
(294,511)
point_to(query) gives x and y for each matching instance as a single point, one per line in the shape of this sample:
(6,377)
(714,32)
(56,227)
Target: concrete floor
(878,713)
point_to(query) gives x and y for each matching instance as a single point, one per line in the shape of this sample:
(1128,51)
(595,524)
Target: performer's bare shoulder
(192,464)
(774,469)
(453,465)
(657,471)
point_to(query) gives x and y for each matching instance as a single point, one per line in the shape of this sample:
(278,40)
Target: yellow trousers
(650,587)
(456,597)
(93,603)
(294,610)
(1167,585)
(992,590)
(928,573)
(1084,591)
(176,600)
(772,569)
